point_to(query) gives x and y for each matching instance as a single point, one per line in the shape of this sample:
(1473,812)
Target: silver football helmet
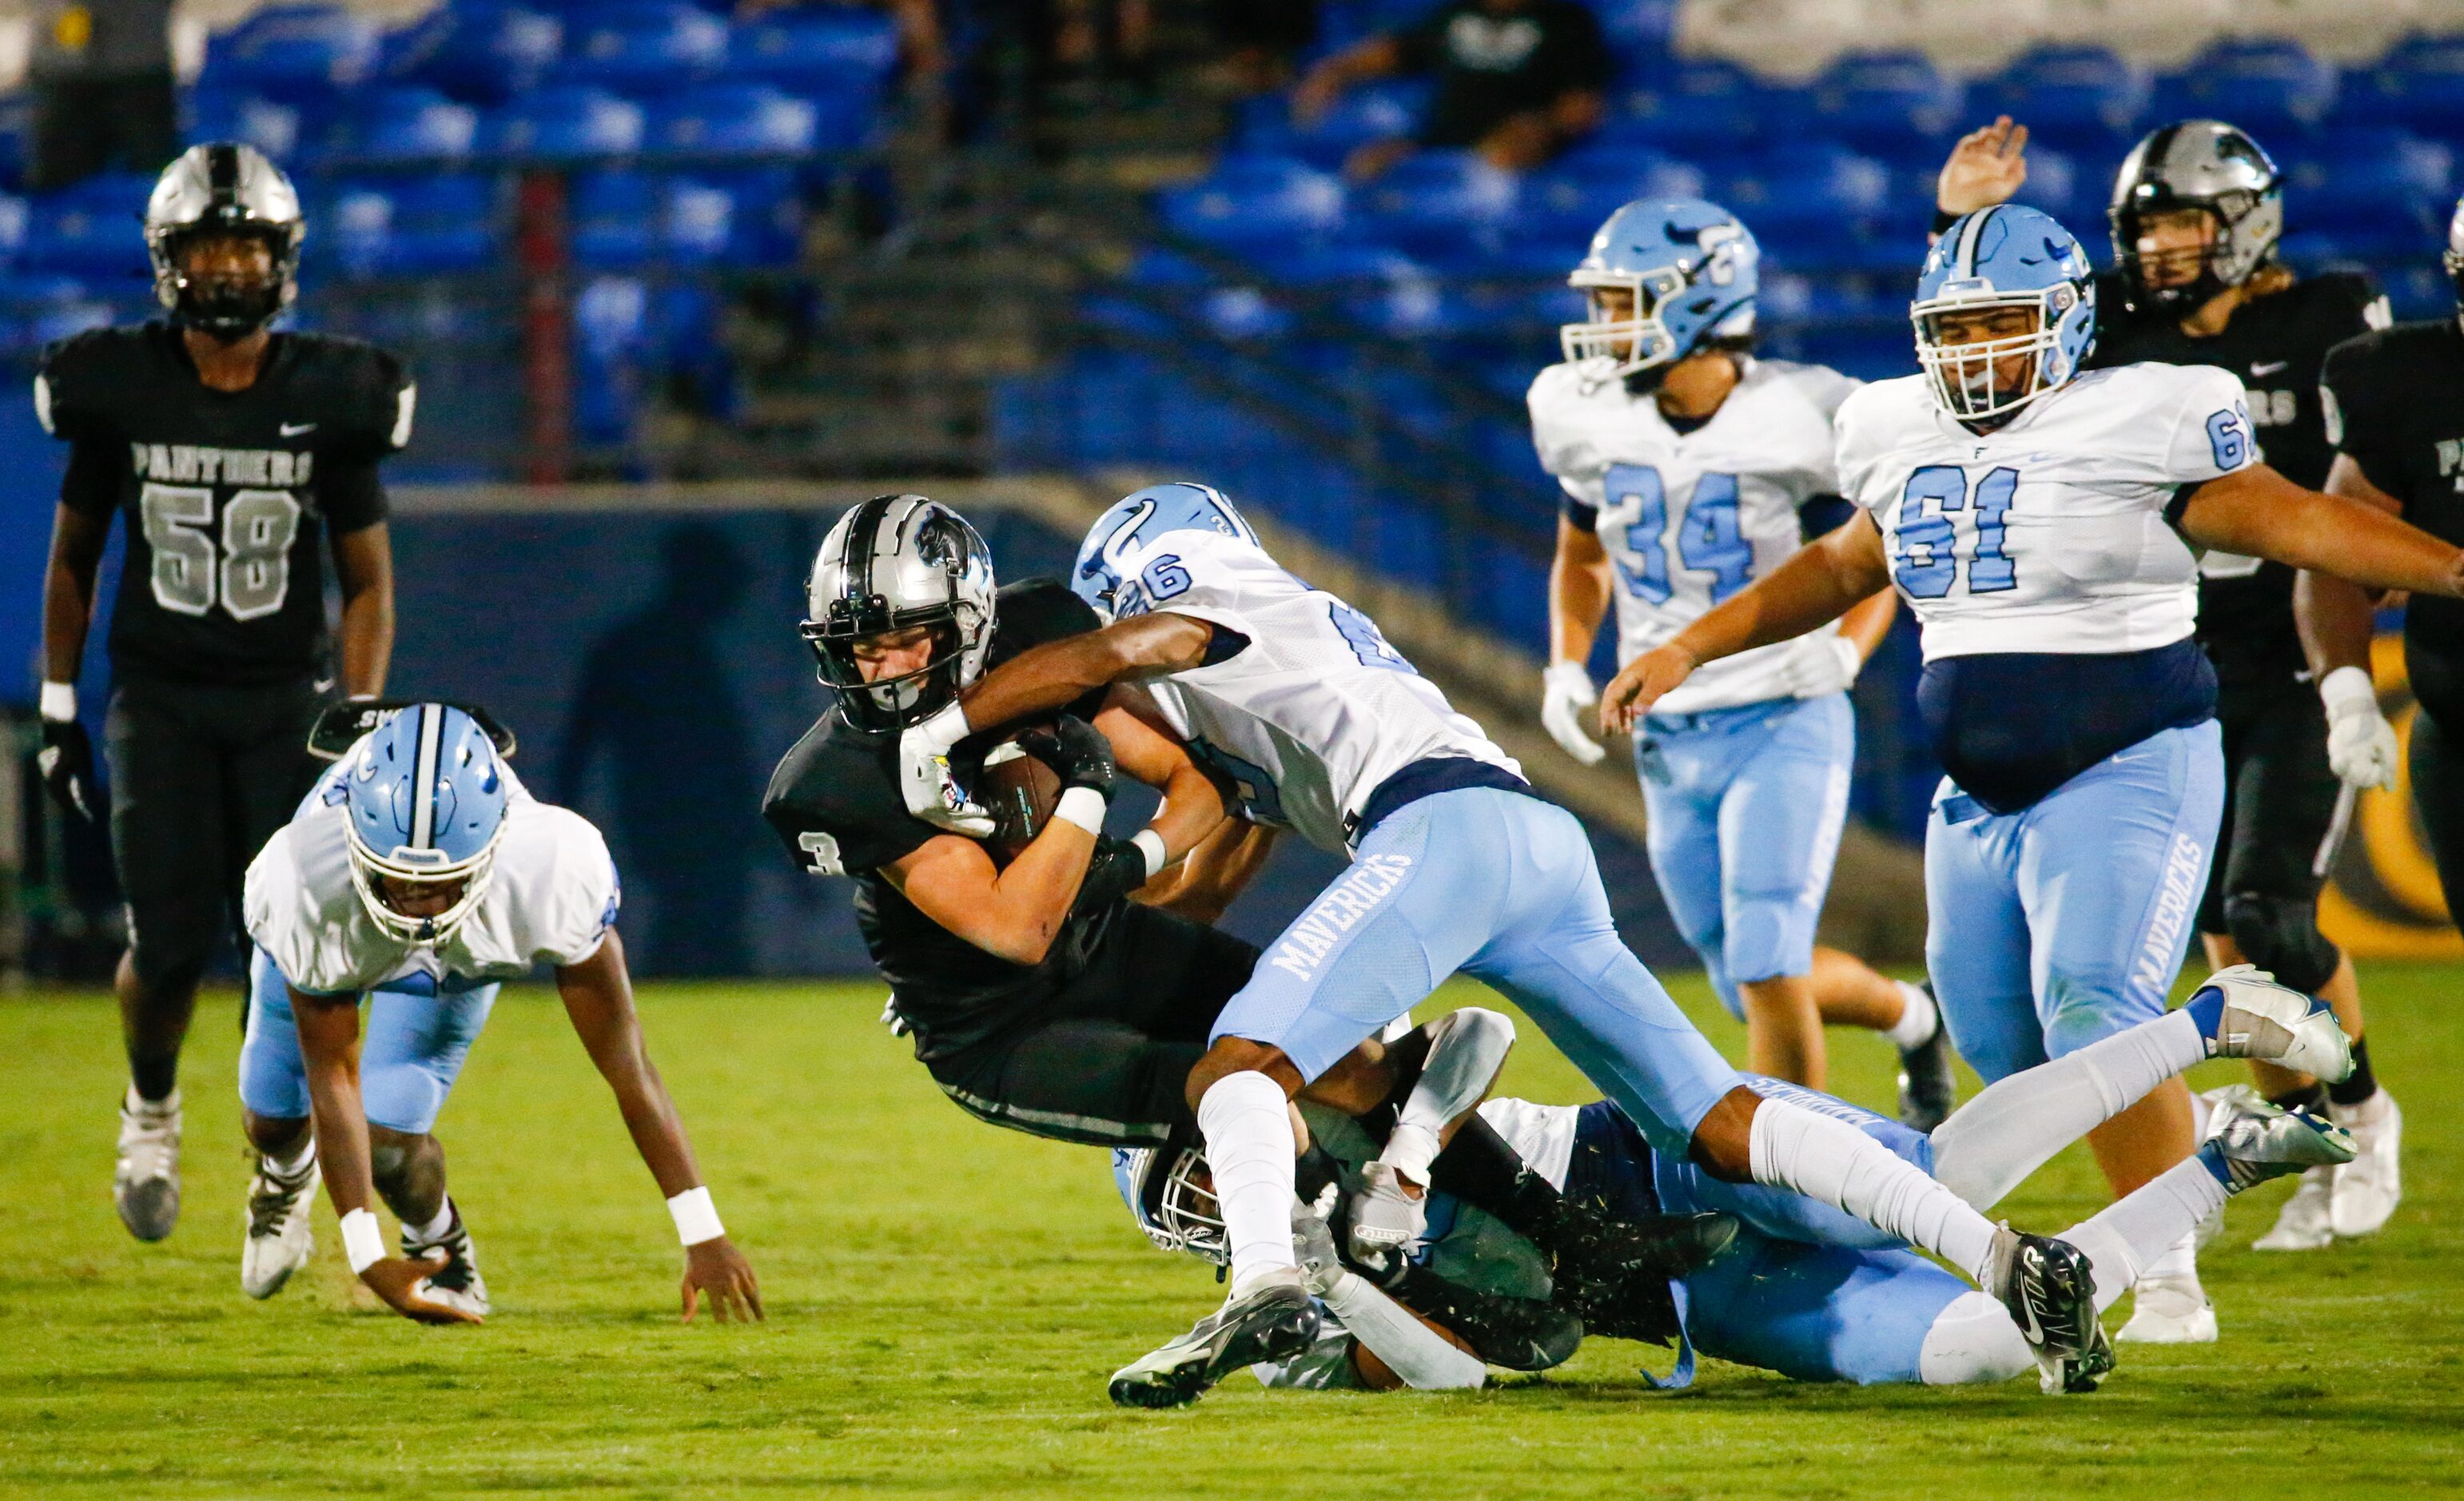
(2205,165)
(897,562)
(221,188)
(1170,1192)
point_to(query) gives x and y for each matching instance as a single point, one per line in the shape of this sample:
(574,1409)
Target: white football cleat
(457,1284)
(2368,1188)
(2265,1021)
(2170,1310)
(146,1180)
(2303,1224)
(280,1239)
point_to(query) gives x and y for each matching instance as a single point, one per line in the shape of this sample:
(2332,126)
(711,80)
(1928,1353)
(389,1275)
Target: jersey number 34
(1925,552)
(1709,538)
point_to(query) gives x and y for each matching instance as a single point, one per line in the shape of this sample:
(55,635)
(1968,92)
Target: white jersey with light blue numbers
(551,900)
(2049,534)
(1689,518)
(1316,712)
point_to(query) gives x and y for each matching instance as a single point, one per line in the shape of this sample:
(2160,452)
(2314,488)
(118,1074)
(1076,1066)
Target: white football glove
(1851,660)
(2360,744)
(1566,691)
(924,777)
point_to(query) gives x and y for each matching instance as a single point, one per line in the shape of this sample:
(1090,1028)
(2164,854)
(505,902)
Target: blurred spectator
(1261,38)
(1091,41)
(101,74)
(1518,80)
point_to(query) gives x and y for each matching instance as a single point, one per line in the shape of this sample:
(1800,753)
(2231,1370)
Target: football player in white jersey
(1686,464)
(2043,524)
(418,874)
(1296,699)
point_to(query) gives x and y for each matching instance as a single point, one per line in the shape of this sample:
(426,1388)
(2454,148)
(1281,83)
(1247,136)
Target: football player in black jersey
(238,454)
(1041,996)
(2196,212)
(2395,412)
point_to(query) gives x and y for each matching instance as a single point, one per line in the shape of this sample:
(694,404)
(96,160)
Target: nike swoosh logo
(2035,1331)
(2269,368)
(293,430)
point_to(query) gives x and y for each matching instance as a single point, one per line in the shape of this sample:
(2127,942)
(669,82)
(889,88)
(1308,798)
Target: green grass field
(946,1300)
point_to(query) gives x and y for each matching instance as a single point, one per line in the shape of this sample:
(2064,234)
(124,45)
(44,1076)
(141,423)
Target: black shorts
(1107,1061)
(201,777)
(2279,796)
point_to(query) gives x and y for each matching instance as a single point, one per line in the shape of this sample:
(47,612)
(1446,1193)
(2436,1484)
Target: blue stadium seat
(93,231)
(750,219)
(1253,200)
(1244,314)
(289,50)
(612,219)
(2374,192)
(643,47)
(1441,207)
(612,334)
(1301,263)
(1375,112)
(2273,89)
(1700,110)
(2420,83)
(2079,97)
(732,119)
(1162,268)
(413,226)
(402,125)
(15,214)
(1896,106)
(837,47)
(562,124)
(1638,32)
(228,115)
(1827,188)
(1565,202)
(37,309)
(478,51)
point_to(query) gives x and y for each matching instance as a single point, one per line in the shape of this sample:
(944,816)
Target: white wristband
(361,1241)
(695,1220)
(2347,690)
(1150,844)
(1083,806)
(58,701)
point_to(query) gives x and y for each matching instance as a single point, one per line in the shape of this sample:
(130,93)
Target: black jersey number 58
(249,571)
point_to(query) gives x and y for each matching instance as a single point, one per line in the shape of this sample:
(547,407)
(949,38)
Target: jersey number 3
(1709,538)
(252,573)
(1927,563)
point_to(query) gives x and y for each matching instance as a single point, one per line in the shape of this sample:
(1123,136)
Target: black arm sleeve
(91,487)
(352,496)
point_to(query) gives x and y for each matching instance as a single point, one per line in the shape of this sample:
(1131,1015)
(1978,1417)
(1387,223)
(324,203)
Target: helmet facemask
(421,867)
(227,306)
(1177,1201)
(1969,379)
(910,697)
(1630,338)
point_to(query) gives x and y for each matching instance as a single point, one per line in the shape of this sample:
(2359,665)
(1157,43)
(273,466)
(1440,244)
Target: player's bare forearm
(1193,806)
(363,568)
(1215,874)
(598,995)
(329,1051)
(2261,514)
(1059,673)
(2337,617)
(1012,913)
(68,590)
(1869,621)
(1578,592)
(1818,585)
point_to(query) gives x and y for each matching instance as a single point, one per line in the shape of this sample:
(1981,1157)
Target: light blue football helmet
(424,800)
(2004,257)
(1104,575)
(1692,270)
(1160,1186)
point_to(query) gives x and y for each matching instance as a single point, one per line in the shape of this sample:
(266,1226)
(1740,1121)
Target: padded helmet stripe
(422,781)
(1966,261)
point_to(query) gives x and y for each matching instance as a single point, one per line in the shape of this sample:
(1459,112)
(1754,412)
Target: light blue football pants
(411,1048)
(2067,922)
(1746,807)
(1502,887)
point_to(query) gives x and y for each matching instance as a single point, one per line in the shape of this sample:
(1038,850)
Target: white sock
(1835,1164)
(1919,1019)
(1249,1129)
(433,1230)
(1410,1348)
(2148,1232)
(1974,1340)
(1466,1049)
(1990,1144)
(294,1164)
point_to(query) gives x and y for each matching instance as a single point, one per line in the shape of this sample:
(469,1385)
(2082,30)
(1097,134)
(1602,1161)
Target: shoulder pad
(79,377)
(1033,611)
(365,388)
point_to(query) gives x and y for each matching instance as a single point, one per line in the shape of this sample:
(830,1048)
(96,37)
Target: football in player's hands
(1019,791)
(1076,750)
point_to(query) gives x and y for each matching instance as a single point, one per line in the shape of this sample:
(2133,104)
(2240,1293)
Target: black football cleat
(1928,1091)
(1515,1334)
(1274,1323)
(2049,1290)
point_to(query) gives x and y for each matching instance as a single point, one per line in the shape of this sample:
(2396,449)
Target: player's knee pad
(2281,935)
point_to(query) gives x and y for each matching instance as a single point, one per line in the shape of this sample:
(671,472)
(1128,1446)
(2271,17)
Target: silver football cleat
(146,1180)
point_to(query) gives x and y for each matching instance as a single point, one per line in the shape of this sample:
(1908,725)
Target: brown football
(1019,791)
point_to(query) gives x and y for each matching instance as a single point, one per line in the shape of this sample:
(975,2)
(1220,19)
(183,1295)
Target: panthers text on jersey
(2276,345)
(551,899)
(1688,518)
(1303,706)
(2053,532)
(227,494)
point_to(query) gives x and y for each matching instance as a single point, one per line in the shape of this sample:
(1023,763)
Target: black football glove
(1077,753)
(66,762)
(1116,869)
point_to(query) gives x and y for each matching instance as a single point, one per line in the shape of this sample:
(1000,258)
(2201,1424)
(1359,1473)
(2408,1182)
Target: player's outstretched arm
(1986,168)
(363,569)
(1821,582)
(1145,748)
(598,996)
(2261,514)
(329,1048)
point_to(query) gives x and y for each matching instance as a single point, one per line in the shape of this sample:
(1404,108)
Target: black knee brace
(2281,935)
